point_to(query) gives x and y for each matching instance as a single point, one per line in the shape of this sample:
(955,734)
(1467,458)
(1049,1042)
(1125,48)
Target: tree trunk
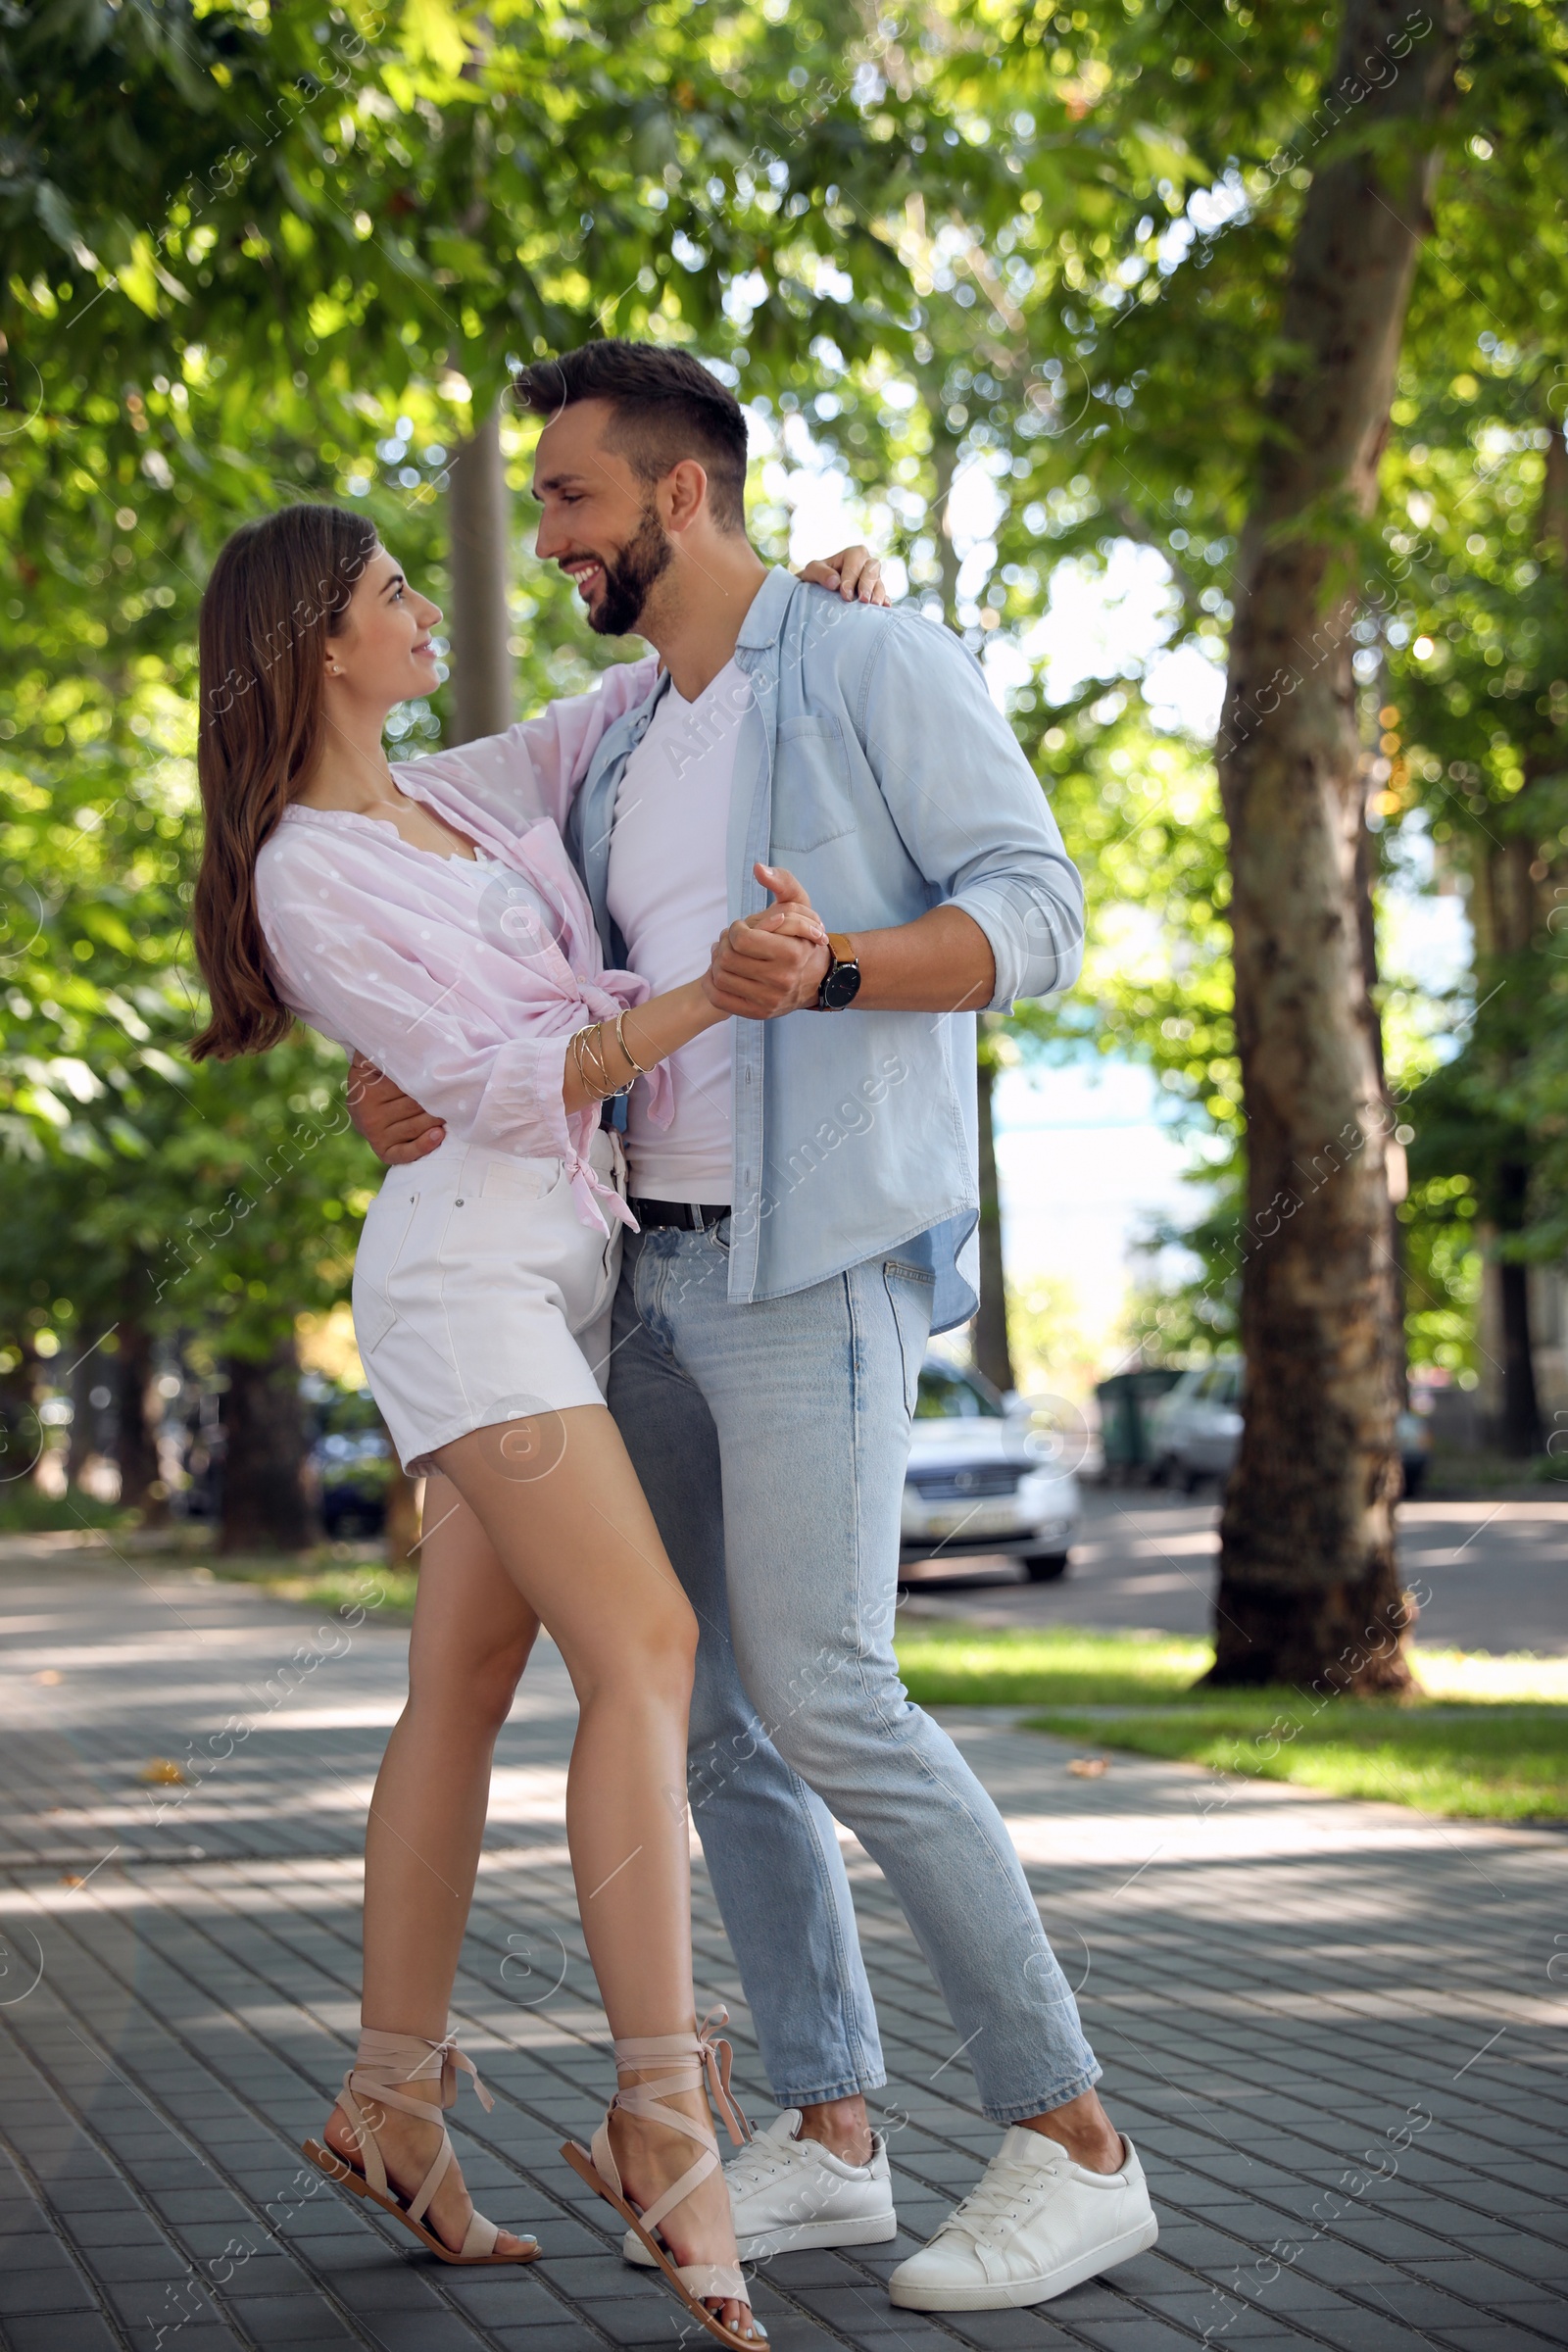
(80,1445)
(264,1507)
(137,1441)
(478,511)
(1309,1589)
(992,1354)
(403,1519)
(1521,1433)
(1509,912)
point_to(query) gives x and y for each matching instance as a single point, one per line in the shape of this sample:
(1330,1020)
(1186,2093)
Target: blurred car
(983,1478)
(352,1469)
(1196,1429)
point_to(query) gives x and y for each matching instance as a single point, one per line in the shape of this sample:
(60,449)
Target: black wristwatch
(841,983)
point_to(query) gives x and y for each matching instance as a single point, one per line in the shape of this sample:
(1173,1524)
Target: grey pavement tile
(424,2331)
(58,2333)
(1135,2331)
(37,2250)
(1548,2318)
(603,2276)
(289,2319)
(814,2265)
(633,2323)
(1534,2256)
(1365,2330)
(560,2335)
(1030,2330)
(1485,2282)
(118,2265)
(57,2288)
(1492,2335)
(513,2300)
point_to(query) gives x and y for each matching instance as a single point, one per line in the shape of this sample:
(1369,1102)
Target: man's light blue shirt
(872,763)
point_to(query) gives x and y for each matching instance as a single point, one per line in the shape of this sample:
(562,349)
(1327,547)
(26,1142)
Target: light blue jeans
(772,1442)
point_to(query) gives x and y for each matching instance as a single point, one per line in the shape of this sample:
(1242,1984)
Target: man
(808,1219)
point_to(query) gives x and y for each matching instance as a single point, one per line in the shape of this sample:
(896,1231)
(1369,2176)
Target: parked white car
(984,1477)
(1196,1429)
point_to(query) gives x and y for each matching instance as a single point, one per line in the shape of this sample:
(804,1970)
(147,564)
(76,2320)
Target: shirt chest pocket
(810,786)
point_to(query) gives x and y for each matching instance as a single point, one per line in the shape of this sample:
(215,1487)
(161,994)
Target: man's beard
(629,578)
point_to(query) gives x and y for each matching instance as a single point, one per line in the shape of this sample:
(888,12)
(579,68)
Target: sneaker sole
(1018,2292)
(871,2229)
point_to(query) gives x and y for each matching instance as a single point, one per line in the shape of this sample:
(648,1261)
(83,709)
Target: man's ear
(683,495)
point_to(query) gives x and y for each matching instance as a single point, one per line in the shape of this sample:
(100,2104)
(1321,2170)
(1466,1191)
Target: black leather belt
(693,1216)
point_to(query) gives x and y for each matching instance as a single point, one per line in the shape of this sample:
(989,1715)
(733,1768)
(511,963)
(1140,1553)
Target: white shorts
(481,1297)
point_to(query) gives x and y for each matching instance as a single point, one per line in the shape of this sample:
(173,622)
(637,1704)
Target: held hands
(768,964)
(773,961)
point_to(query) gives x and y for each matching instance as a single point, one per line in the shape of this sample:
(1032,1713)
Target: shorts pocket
(384,1240)
(521,1179)
(911,1295)
(373,1317)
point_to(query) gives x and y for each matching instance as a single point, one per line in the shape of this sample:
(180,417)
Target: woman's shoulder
(301,861)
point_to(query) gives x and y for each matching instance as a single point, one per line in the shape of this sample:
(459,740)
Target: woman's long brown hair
(278,591)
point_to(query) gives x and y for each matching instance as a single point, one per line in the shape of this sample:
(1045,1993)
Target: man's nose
(549,540)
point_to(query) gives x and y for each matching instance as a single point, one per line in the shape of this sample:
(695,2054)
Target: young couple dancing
(727,1190)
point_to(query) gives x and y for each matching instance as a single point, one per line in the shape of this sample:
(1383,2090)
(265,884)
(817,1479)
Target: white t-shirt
(668,896)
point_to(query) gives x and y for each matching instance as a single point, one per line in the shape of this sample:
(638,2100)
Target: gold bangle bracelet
(621,1039)
(588,1046)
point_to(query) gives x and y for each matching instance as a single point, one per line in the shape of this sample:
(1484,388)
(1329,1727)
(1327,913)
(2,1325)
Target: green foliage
(1484,1763)
(960,1666)
(254,254)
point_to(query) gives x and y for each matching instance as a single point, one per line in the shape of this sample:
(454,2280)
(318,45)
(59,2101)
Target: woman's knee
(648,1655)
(475,1685)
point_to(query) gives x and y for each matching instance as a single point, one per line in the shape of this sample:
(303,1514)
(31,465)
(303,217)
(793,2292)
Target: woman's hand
(772,962)
(853,572)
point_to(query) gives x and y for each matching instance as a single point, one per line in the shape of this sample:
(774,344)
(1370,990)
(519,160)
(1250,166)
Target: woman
(429,915)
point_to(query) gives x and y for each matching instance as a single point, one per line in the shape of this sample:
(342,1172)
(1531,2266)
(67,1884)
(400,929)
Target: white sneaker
(787,2193)
(1036,2225)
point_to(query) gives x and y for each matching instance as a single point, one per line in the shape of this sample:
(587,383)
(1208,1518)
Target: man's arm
(971,815)
(941,963)
(398,1130)
(396,1127)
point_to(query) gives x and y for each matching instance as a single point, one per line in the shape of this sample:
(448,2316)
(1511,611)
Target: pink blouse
(462,981)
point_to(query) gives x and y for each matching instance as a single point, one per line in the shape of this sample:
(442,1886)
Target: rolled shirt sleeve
(970,808)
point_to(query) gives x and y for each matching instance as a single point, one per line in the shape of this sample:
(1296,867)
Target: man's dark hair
(668,406)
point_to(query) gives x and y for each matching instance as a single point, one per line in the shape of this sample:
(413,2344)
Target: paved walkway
(1489,1574)
(1333,2030)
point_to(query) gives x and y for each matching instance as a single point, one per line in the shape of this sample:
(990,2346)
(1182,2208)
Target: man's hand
(770,962)
(396,1127)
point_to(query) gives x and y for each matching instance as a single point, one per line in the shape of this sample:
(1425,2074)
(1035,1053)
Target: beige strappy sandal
(689,2057)
(384,2060)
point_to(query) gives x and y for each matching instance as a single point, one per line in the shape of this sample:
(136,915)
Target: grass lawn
(336,1578)
(1487,1738)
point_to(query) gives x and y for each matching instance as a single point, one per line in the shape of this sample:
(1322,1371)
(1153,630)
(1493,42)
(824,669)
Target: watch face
(841,987)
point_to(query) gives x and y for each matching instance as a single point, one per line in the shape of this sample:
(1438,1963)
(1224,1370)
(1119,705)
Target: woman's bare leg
(561,1504)
(473,1633)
